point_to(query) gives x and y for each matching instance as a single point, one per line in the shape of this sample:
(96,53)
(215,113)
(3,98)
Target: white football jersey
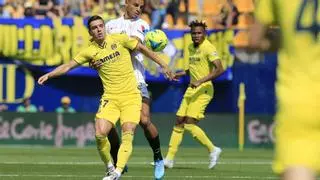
(131,27)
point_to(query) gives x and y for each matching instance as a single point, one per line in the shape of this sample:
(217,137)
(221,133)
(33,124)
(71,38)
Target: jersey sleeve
(265,11)
(212,53)
(84,56)
(139,30)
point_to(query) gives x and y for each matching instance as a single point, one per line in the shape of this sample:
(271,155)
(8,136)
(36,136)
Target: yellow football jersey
(299,21)
(199,60)
(297,129)
(116,73)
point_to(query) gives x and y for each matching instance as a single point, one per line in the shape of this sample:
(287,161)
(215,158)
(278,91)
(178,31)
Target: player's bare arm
(154,57)
(60,70)
(216,71)
(179,74)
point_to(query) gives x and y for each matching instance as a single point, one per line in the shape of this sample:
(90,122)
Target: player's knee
(100,132)
(145,123)
(128,127)
(180,121)
(190,120)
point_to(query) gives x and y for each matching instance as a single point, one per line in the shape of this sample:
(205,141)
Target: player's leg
(150,130)
(114,140)
(175,141)
(198,134)
(125,150)
(195,112)
(152,135)
(106,118)
(177,133)
(130,108)
(102,128)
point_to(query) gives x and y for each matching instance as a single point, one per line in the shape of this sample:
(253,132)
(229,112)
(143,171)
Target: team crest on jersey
(113,46)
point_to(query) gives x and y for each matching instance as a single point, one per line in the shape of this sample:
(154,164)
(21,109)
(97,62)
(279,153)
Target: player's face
(134,8)
(198,35)
(97,29)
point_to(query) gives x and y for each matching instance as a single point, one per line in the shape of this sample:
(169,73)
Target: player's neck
(196,45)
(100,42)
(126,16)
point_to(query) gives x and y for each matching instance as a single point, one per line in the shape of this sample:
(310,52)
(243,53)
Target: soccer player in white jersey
(131,24)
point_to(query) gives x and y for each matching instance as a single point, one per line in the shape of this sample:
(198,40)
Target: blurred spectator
(106,10)
(3,107)
(76,8)
(8,9)
(157,10)
(109,12)
(26,106)
(42,8)
(4,13)
(65,106)
(173,10)
(28,10)
(228,16)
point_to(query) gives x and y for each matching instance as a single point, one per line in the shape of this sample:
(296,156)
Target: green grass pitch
(47,163)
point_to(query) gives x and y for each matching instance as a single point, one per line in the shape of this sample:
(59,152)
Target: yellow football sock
(103,146)
(199,135)
(125,150)
(175,141)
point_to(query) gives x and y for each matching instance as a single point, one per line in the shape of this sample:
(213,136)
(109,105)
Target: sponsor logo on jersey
(110,57)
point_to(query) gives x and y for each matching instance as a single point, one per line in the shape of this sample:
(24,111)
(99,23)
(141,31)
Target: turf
(46,163)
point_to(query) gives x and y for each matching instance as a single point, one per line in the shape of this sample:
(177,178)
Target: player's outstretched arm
(60,70)
(154,57)
(216,71)
(178,75)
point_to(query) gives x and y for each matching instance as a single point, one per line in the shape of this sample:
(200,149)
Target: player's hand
(43,79)
(195,84)
(95,64)
(168,74)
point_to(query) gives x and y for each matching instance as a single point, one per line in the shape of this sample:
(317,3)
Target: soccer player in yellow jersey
(297,148)
(203,65)
(121,97)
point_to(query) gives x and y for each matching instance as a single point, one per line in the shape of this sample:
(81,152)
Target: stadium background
(49,145)
(30,47)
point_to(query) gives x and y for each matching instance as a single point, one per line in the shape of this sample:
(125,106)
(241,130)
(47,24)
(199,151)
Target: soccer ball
(156,40)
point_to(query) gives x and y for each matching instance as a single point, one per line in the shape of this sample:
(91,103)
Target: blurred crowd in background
(158,13)
(27,107)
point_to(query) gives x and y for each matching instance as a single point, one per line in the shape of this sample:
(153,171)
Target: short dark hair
(196,23)
(93,18)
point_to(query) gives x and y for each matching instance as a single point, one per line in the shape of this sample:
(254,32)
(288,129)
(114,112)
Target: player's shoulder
(90,49)
(118,36)
(207,45)
(141,22)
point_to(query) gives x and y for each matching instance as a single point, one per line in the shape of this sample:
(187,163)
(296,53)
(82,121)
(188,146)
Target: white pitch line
(147,177)
(141,163)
